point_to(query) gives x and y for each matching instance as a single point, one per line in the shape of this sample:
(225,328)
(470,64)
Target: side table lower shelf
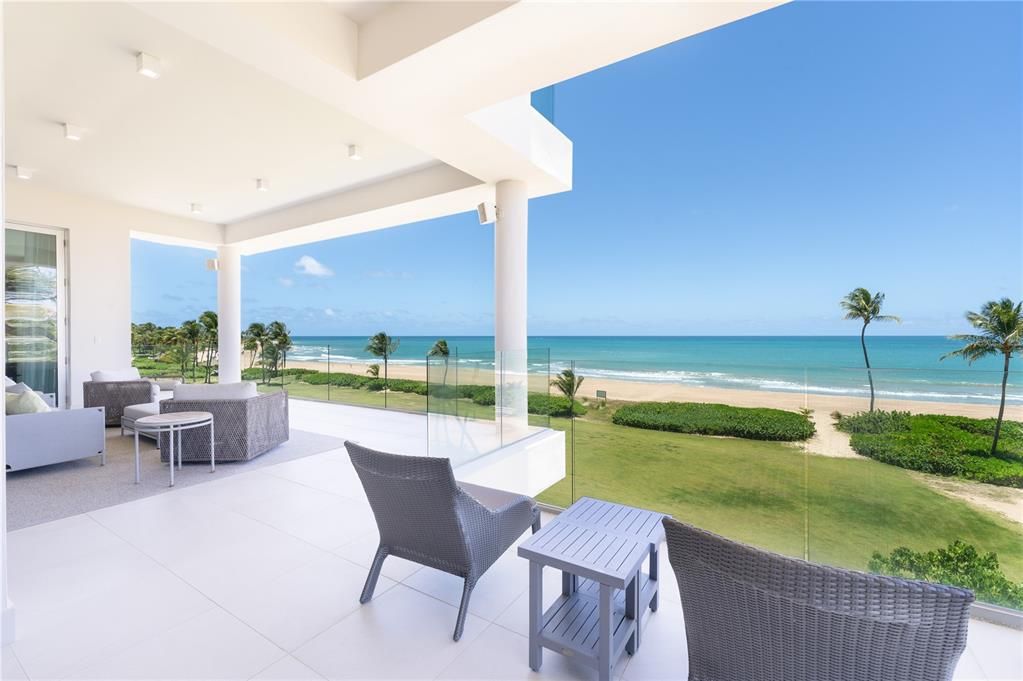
(572,625)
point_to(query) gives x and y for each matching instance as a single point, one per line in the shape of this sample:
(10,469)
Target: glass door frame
(63,316)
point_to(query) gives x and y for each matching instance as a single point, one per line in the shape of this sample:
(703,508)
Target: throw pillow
(25,403)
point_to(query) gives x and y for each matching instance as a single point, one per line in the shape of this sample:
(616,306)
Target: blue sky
(738,182)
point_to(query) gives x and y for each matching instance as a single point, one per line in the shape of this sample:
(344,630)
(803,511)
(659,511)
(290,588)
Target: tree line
(192,345)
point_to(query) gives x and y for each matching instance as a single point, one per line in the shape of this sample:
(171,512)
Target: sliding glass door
(34,309)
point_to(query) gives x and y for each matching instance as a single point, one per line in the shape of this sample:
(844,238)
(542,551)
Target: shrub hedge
(716,419)
(483,395)
(960,564)
(943,445)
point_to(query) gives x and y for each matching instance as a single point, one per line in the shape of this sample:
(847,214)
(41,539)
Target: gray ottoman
(137,411)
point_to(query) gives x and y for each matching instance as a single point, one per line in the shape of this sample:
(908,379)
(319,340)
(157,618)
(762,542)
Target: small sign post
(602,396)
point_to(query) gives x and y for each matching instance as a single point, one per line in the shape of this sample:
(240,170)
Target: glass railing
(911,490)
(480,402)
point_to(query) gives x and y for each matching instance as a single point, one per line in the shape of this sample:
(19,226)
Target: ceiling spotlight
(147,65)
(23,173)
(195,208)
(262,185)
(72,132)
(354,153)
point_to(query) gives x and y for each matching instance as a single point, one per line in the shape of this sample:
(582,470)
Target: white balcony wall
(99,267)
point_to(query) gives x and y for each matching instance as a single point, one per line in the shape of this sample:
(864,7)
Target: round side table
(173,423)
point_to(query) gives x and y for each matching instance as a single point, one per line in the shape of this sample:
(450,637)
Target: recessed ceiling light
(354,153)
(23,173)
(72,132)
(262,185)
(147,65)
(195,208)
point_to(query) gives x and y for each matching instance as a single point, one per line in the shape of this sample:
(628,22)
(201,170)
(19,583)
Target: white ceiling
(201,133)
(362,11)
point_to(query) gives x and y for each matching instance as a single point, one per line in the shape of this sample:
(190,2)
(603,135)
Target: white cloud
(286,282)
(309,265)
(329,311)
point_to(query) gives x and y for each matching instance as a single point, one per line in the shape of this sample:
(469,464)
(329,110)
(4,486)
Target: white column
(510,335)
(6,607)
(229,314)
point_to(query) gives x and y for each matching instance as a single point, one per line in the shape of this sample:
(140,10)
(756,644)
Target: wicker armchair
(751,615)
(243,428)
(425,516)
(114,396)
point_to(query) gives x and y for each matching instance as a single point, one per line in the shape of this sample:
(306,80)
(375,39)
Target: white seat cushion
(137,411)
(215,391)
(107,375)
(168,383)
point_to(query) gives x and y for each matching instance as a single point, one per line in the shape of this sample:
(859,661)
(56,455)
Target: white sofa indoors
(38,435)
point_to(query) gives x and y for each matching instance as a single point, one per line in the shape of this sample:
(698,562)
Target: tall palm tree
(568,384)
(208,321)
(865,306)
(1000,332)
(192,332)
(280,337)
(383,346)
(440,349)
(255,340)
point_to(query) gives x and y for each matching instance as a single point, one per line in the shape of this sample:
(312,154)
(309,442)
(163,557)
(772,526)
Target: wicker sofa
(116,389)
(246,423)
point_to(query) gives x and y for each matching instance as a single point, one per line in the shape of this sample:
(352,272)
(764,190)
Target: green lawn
(830,510)
(770,494)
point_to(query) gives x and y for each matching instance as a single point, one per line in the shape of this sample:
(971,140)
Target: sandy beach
(638,391)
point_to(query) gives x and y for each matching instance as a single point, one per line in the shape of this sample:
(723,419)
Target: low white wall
(99,267)
(528,466)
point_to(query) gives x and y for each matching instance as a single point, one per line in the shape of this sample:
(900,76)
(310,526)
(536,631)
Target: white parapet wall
(528,466)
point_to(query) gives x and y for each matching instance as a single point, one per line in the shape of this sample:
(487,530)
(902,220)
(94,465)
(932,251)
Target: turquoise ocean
(905,367)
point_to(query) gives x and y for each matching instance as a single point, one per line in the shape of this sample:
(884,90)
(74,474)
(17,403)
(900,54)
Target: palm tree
(373,370)
(255,340)
(1000,327)
(192,332)
(209,323)
(280,337)
(568,384)
(863,305)
(383,346)
(440,349)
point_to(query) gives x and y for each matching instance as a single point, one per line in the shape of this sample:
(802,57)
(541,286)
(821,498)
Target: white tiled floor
(257,576)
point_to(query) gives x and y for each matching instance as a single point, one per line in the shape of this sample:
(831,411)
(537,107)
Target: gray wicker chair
(751,615)
(114,396)
(243,428)
(425,516)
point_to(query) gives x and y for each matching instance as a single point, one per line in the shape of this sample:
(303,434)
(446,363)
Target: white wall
(99,267)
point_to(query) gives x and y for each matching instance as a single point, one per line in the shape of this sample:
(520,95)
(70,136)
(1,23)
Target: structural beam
(229,314)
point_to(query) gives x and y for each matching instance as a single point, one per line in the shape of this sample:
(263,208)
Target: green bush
(959,565)
(716,419)
(943,445)
(553,405)
(874,422)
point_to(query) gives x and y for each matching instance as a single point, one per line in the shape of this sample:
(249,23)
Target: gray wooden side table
(173,423)
(623,521)
(594,624)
